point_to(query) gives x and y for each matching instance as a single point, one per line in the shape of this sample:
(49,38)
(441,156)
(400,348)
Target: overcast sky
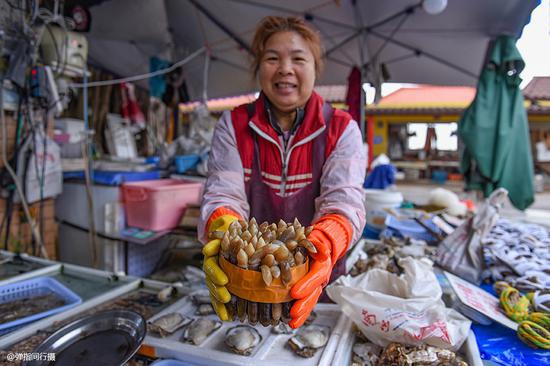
(534,43)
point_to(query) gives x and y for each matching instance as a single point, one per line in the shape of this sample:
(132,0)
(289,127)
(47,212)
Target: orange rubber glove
(331,236)
(216,279)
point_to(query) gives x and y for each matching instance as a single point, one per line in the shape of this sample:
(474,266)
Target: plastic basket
(158,204)
(186,162)
(111,178)
(36,287)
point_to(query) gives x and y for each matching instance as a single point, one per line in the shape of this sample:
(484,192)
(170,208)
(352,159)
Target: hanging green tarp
(495,130)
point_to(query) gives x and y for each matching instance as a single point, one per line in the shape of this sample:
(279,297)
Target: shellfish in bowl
(242,339)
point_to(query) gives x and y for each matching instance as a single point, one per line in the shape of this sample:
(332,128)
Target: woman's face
(287,71)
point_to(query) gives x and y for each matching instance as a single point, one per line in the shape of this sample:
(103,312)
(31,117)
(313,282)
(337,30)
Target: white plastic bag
(407,309)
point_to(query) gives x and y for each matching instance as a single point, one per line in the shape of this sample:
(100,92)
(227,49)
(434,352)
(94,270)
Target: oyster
(308,340)
(282,328)
(242,339)
(366,354)
(399,354)
(168,324)
(196,332)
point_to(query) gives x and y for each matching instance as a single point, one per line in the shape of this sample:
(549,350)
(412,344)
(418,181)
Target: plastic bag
(406,309)
(461,252)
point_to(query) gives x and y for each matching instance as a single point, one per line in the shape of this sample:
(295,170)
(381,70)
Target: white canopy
(414,46)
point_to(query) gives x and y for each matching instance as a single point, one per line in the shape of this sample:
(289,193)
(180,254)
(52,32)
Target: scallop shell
(308,340)
(196,332)
(242,339)
(168,324)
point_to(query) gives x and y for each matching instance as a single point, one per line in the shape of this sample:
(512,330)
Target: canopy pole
(205,76)
(222,26)
(420,52)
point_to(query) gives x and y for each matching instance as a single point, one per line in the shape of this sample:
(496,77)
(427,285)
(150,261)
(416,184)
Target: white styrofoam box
(72,126)
(344,350)
(272,350)
(113,255)
(72,205)
(75,248)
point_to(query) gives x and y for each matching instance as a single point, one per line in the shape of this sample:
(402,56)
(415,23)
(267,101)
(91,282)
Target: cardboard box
(20,237)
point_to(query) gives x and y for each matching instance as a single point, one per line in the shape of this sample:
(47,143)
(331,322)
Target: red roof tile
(538,89)
(330,93)
(428,96)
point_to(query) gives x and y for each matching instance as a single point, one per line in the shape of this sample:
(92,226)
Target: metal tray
(272,350)
(15,268)
(28,338)
(105,338)
(89,284)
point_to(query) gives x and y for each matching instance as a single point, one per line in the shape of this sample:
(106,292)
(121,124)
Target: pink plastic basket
(158,204)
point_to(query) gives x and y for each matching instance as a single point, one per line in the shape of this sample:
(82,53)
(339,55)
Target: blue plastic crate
(370,232)
(115,178)
(439,176)
(36,287)
(186,162)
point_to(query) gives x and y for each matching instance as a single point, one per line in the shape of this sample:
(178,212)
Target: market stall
(128,241)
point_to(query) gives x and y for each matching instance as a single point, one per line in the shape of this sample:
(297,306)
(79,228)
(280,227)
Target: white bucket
(376,200)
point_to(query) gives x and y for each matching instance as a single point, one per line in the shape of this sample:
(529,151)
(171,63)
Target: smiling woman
(287,58)
(287,75)
(287,156)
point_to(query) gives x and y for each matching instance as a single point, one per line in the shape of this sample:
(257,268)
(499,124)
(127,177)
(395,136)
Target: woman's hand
(216,279)
(330,236)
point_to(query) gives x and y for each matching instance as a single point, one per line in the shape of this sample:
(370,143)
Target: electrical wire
(142,76)
(32,223)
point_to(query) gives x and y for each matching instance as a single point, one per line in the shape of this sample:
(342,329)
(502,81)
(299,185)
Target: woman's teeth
(284,85)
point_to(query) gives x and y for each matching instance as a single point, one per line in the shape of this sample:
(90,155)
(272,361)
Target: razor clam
(242,339)
(166,293)
(196,332)
(308,340)
(168,324)
(201,297)
(205,309)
